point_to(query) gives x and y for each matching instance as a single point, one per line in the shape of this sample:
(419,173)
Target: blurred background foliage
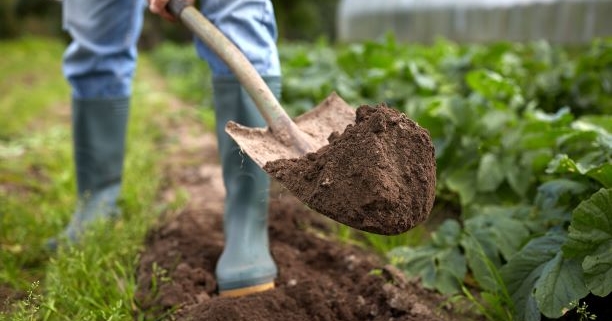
(297,20)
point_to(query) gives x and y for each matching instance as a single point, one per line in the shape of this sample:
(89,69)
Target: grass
(94,280)
(31,78)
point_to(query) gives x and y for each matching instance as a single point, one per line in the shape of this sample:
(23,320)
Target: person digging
(99,65)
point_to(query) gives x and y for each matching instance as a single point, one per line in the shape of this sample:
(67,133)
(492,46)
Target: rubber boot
(245,266)
(99,131)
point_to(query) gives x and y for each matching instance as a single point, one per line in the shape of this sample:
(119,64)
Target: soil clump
(379,175)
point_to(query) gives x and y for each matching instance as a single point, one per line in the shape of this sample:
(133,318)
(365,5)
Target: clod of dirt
(378,176)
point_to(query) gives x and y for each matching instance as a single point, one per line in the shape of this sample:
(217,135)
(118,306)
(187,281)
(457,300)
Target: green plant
(28,308)
(584,314)
(523,146)
(439,263)
(492,307)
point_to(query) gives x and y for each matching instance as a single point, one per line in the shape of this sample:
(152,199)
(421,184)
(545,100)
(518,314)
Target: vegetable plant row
(523,138)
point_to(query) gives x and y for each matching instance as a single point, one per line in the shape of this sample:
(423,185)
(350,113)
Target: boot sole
(234,293)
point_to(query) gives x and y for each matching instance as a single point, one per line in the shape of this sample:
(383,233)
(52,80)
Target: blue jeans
(101,60)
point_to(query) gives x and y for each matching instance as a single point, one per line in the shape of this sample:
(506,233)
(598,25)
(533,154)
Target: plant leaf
(591,225)
(442,269)
(495,225)
(562,164)
(602,174)
(590,239)
(491,84)
(490,174)
(522,272)
(490,235)
(551,192)
(596,122)
(560,286)
(463,181)
(440,264)
(563,115)
(447,235)
(422,80)
(598,270)
(517,171)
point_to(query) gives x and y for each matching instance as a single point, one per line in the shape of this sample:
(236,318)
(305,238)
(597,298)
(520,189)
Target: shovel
(372,169)
(283,138)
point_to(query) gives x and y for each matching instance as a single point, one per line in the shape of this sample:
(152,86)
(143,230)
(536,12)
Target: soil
(379,175)
(319,278)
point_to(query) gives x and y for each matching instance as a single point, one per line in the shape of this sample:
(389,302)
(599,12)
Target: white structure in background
(558,21)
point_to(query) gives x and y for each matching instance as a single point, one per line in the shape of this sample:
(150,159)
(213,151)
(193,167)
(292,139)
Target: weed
(584,314)
(495,303)
(26,309)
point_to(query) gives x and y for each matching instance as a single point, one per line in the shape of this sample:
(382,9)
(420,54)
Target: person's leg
(245,265)
(99,65)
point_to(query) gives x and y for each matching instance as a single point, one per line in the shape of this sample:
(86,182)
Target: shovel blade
(331,115)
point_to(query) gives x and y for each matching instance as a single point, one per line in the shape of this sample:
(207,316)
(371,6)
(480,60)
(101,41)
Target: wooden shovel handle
(281,125)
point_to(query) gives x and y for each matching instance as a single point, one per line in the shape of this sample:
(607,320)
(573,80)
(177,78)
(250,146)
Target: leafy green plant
(440,263)
(540,277)
(26,309)
(541,280)
(589,241)
(523,147)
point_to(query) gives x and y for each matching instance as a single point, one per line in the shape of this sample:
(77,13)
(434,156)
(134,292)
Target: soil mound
(319,277)
(379,175)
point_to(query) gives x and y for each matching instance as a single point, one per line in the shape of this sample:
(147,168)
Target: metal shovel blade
(331,115)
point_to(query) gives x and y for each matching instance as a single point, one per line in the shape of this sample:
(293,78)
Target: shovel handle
(281,125)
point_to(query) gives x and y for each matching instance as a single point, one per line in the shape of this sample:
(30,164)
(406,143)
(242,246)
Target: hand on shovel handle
(160,7)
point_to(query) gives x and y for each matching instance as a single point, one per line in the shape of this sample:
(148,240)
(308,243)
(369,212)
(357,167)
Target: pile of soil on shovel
(319,278)
(379,175)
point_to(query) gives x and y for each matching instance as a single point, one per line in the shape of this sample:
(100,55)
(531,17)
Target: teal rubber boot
(99,130)
(245,266)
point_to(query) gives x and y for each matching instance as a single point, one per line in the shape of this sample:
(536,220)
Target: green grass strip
(95,280)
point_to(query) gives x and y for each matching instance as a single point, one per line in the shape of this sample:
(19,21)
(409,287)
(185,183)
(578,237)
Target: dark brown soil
(379,175)
(319,277)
